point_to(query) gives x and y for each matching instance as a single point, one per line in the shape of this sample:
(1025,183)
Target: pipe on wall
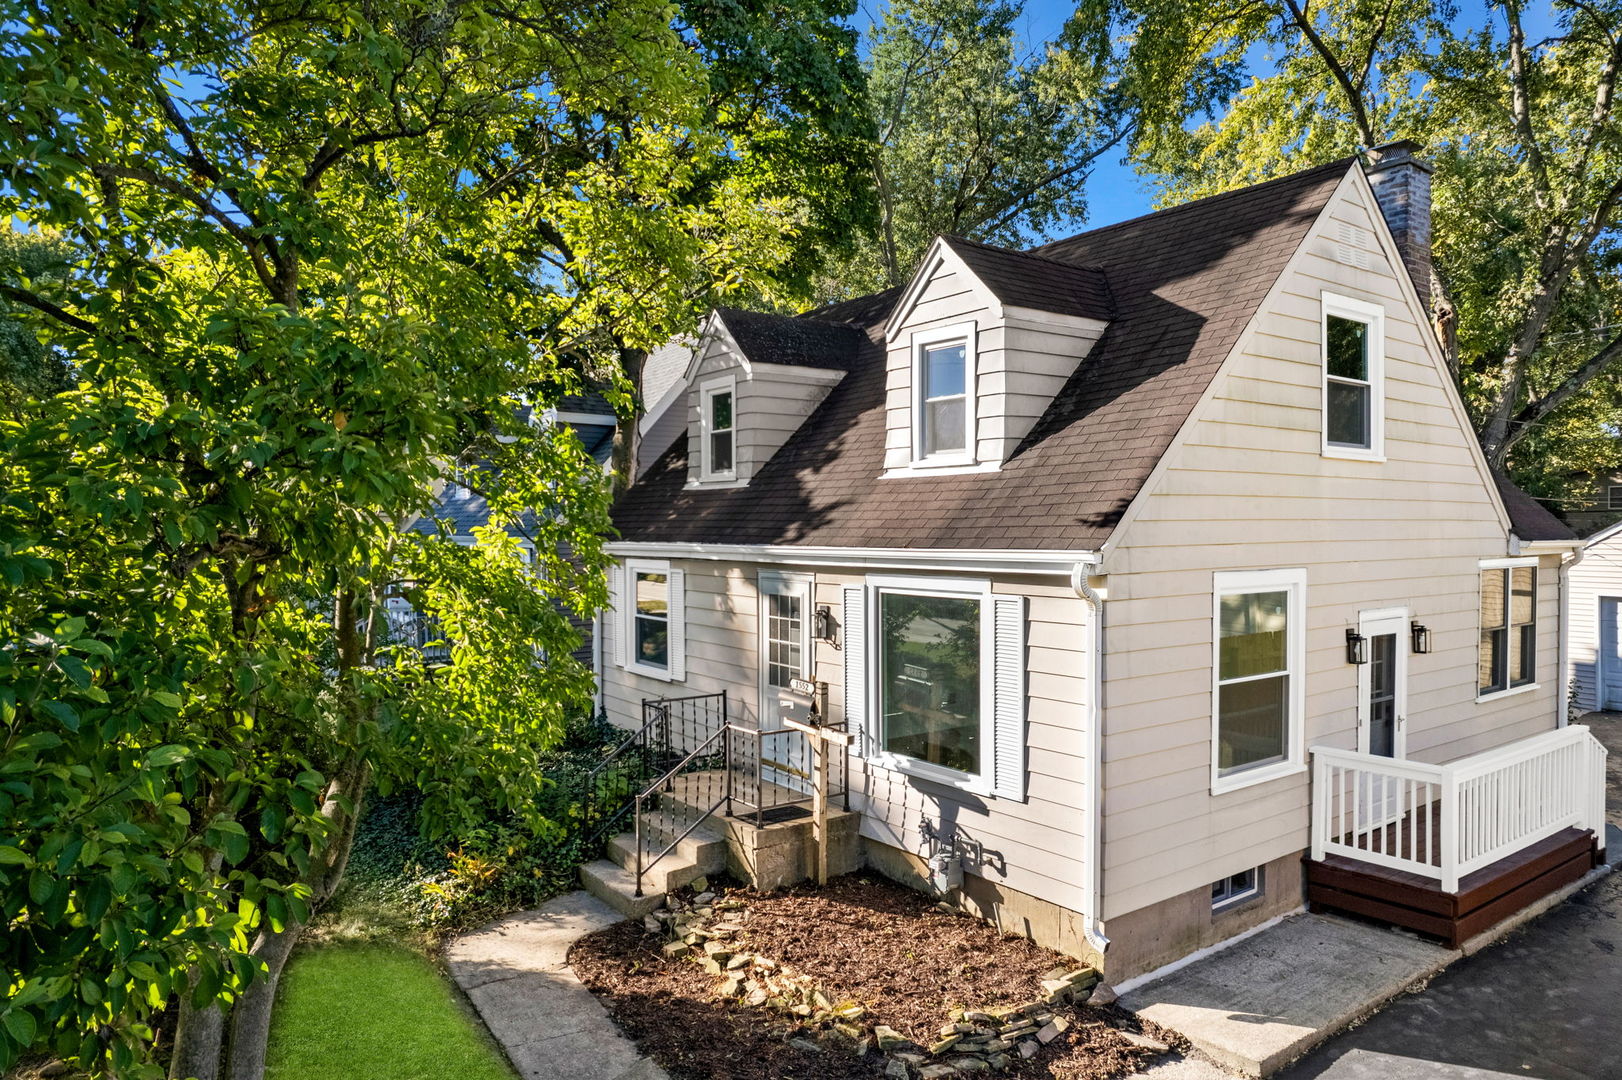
(1092,829)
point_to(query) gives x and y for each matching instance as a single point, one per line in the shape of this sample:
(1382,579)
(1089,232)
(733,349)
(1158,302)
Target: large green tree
(975,136)
(1522,128)
(313,259)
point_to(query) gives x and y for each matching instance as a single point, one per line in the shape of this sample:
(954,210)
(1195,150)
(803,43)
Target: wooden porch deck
(1484,898)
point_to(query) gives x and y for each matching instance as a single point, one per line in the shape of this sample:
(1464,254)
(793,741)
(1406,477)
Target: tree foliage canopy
(304,262)
(1523,132)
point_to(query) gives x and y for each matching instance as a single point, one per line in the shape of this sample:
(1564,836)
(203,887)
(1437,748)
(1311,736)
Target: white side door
(1382,706)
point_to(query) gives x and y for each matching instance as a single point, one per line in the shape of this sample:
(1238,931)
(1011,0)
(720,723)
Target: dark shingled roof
(783,339)
(1527,517)
(1184,283)
(1025,280)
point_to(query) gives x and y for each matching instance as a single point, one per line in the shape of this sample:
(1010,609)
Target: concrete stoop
(613,880)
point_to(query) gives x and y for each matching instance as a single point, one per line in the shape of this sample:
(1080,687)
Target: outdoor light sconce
(1357,647)
(822,623)
(1422,637)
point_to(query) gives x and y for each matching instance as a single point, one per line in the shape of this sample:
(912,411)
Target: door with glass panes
(1382,726)
(785,653)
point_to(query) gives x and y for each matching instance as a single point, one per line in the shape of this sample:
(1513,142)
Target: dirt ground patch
(862,939)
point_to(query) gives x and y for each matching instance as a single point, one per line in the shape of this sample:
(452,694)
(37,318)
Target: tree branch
(28,299)
(1354,99)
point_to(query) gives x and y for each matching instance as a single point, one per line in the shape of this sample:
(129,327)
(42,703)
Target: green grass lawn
(375,1011)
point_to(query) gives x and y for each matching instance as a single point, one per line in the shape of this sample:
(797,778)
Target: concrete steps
(613,880)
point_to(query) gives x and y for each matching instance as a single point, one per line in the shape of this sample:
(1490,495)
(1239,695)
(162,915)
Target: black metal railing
(770,773)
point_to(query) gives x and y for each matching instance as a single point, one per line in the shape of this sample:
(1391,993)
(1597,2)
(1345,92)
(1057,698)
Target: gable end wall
(1245,486)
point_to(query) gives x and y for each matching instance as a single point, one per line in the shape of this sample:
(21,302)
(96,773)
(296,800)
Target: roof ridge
(1029,253)
(1204,200)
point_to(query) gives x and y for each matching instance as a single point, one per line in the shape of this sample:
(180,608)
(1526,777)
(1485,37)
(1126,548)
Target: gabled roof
(783,339)
(1184,283)
(1023,279)
(1528,518)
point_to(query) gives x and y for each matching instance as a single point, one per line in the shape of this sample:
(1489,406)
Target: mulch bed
(863,939)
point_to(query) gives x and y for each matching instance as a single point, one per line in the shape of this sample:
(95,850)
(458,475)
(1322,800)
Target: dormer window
(719,433)
(943,395)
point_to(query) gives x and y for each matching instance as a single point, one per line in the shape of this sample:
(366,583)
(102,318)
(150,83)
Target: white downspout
(1564,648)
(1093,767)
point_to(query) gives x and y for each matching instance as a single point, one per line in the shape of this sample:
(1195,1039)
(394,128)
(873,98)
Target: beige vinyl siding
(1023,359)
(1597,574)
(1247,487)
(1034,846)
(770,402)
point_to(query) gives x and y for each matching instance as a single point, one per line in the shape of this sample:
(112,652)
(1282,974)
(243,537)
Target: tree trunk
(250,1019)
(199,1038)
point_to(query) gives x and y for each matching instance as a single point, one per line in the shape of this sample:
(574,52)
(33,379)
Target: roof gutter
(1517,546)
(1092,889)
(969,560)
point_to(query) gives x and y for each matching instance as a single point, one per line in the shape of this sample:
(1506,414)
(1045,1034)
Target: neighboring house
(1594,622)
(1602,507)
(460,510)
(1146,568)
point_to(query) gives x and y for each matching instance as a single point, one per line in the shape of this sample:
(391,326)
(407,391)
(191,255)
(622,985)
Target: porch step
(616,886)
(700,853)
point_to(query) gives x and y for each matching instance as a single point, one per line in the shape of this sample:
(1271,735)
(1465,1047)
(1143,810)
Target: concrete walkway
(1257,1005)
(516,972)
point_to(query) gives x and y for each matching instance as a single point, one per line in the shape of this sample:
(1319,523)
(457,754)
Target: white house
(1156,573)
(1593,619)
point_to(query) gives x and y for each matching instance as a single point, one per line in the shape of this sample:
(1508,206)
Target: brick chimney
(1402,184)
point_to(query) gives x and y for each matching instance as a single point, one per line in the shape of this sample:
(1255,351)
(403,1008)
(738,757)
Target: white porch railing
(1446,821)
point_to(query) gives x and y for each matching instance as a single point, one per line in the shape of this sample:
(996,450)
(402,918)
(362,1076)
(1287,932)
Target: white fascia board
(804,373)
(1079,322)
(1050,563)
(1517,546)
(1598,538)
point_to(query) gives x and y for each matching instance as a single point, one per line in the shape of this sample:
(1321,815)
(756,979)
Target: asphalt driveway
(1546,1002)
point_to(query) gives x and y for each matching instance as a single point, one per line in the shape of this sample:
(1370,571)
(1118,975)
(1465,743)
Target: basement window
(1236,889)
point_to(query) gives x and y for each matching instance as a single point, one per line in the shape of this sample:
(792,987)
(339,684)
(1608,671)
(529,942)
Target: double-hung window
(1613,497)
(1508,654)
(1354,378)
(718,453)
(651,638)
(1258,676)
(943,395)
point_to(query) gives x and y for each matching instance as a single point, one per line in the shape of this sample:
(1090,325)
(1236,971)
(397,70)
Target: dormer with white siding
(978,346)
(753,380)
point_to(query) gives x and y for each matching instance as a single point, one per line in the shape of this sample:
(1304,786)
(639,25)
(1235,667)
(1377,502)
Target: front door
(785,653)
(1609,695)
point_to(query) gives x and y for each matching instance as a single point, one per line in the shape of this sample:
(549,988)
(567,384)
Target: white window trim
(706,391)
(1373,315)
(982,782)
(1232,582)
(922,339)
(633,567)
(1257,886)
(784,583)
(1504,564)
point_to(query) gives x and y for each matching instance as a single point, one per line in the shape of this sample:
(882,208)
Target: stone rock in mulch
(1144,1041)
(805,1044)
(970,1065)
(676,948)
(897,1070)
(1103,994)
(889,1038)
(1028,1048)
(701,885)
(1056,1027)
(937,1072)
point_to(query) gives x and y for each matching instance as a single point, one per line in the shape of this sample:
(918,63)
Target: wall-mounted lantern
(1422,637)
(822,623)
(1357,647)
